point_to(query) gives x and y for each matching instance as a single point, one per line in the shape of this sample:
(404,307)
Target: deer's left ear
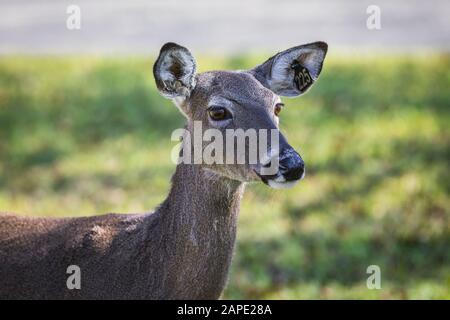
(293,71)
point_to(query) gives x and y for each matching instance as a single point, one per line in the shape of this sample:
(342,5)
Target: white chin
(281,185)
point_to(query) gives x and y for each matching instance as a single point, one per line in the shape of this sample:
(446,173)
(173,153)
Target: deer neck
(199,219)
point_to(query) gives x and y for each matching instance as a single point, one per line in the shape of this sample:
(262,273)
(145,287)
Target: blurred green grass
(86,135)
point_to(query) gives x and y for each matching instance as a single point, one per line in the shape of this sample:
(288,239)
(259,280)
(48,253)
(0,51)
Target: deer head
(241,100)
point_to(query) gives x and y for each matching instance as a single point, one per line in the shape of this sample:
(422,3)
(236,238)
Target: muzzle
(291,169)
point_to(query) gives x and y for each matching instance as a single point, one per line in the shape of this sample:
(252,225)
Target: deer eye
(278,108)
(218,113)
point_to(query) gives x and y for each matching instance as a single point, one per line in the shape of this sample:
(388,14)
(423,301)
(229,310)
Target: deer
(184,248)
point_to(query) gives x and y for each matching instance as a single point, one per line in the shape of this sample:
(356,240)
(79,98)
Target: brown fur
(183,250)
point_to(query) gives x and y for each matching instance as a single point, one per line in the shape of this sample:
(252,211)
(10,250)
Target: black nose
(292,166)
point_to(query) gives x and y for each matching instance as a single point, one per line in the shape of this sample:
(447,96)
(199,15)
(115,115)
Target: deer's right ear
(175,71)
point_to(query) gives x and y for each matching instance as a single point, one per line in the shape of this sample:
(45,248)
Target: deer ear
(293,71)
(175,71)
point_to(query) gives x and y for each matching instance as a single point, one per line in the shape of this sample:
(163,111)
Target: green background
(87,135)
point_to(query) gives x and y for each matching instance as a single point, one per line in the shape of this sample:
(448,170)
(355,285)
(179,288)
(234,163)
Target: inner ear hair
(293,71)
(312,56)
(175,71)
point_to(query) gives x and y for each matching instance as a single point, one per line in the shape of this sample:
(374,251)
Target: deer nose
(292,166)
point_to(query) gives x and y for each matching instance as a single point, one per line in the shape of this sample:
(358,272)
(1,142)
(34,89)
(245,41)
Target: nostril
(294,173)
(291,165)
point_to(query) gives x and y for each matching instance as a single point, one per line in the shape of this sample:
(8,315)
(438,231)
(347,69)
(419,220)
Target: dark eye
(278,108)
(218,113)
